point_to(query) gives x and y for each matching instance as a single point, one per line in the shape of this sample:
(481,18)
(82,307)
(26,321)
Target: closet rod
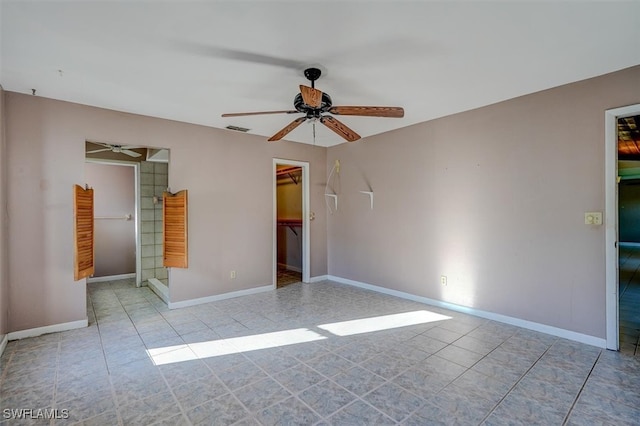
(125,217)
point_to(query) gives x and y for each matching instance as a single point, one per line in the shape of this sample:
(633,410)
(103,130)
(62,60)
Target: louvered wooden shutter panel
(175,229)
(83,232)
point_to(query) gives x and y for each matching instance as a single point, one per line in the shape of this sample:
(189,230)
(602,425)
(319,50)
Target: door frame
(306,244)
(137,220)
(611,221)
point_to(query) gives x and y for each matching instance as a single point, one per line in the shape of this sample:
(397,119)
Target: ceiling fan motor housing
(311,112)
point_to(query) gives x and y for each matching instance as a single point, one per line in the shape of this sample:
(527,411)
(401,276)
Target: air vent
(238,129)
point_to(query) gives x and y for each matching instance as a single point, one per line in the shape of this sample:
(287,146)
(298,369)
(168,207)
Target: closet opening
(291,223)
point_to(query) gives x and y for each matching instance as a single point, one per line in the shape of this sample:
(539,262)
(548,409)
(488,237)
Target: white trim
(306,244)
(110,278)
(215,298)
(159,288)
(3,343)
(54,328)
(138,223)
(318,278)
(611,220)
(566,334)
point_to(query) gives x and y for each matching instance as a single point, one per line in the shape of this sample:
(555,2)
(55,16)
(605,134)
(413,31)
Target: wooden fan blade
(340,128)
(368,111)
(240,114)
(282,133)
(130,153)
(311,96)
(95,151)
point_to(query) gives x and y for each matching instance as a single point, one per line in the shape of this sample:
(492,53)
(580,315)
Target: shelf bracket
(370,194)
(293,178)
(335,200)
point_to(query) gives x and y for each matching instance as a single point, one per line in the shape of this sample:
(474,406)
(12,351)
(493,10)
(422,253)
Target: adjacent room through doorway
(134,203)
(291,220)
(289,224)
(629,233)
(114,187)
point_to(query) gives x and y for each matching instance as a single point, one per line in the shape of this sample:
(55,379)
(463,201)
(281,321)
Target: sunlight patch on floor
(383,322)
(212,348)
(233,345)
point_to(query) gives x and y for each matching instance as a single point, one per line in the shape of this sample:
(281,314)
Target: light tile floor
(459,370)
(629,300)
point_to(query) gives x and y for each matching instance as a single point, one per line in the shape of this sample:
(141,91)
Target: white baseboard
(110,278)
(3,343)
(215,298)
(38,331)
(318,278)
(547,329)
(159,288)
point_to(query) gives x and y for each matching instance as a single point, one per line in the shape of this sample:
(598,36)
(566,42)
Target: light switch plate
(593,218)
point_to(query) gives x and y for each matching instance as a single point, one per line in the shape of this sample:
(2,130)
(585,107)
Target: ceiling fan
(316,105)
(119,149)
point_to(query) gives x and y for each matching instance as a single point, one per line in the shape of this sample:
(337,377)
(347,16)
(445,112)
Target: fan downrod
(312,74)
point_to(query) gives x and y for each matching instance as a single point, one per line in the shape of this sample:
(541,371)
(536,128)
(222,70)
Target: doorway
(629,233)
(614,275)
(150,169)
(291,257)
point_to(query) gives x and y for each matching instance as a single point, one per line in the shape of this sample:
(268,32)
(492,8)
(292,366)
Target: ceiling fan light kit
(317,105)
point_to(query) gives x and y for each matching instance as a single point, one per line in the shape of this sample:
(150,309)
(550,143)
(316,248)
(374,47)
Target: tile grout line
(471,367)
(54,402)
(294,395)
(159,371)
(516,383)
(175,398)
(106,363)
(575,401)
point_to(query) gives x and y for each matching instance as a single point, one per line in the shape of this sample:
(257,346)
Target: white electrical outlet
(593,218)
(443,279)
(232,275)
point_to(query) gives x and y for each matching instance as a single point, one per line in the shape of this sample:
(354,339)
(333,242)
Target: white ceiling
(193,61)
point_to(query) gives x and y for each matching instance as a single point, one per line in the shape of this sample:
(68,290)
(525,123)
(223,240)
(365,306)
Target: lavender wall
(45,160)
(492,198)
(228,175)
(114,196)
